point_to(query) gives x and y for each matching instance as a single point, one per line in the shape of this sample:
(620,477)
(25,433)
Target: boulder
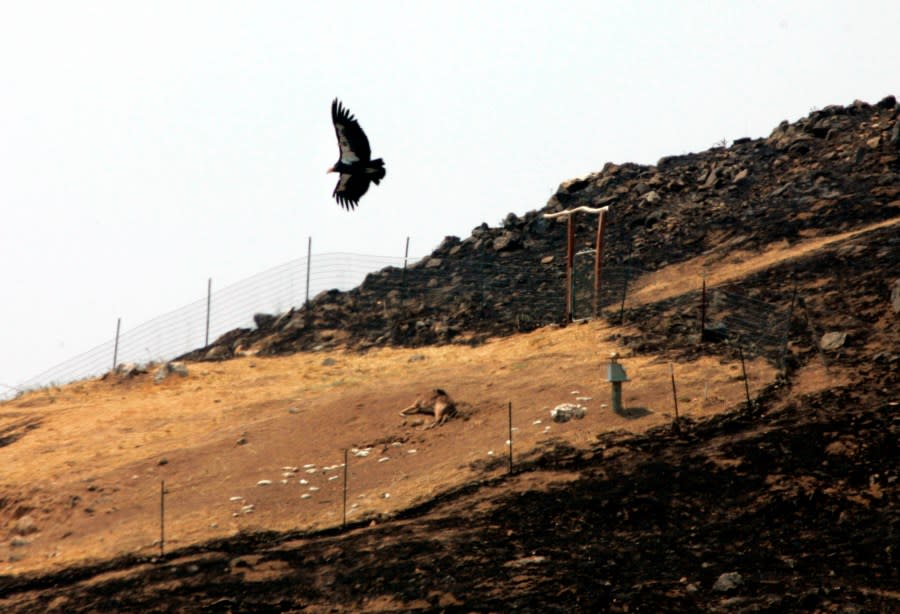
(833,341)
(728,582)
(566,412)
(175,367)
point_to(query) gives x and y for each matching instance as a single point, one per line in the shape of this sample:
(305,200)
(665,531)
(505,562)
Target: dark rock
(264,321)
(888,102)
(507,241)
(728,582)
(447,244)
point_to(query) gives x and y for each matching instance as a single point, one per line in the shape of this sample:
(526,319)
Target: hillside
(786,503)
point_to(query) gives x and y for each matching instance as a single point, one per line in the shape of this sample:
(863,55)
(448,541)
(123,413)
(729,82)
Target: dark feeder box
(615,375)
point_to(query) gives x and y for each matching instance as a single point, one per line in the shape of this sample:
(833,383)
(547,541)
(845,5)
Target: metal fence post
(116,346)
(787,330)
(403,275)
(703,310)
(510,439)
(570,264)
(346,464)
(308,262)
(208,306)
(598,262)
(162,518)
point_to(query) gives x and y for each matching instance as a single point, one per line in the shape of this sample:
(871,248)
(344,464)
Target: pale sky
(148,146)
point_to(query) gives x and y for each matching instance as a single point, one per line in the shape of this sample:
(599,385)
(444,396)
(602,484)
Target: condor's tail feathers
(375,170)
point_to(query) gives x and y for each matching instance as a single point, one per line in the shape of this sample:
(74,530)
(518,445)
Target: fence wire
(756,326)
(428,301)
(183,330)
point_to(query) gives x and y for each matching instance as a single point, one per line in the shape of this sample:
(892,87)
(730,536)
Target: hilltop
(788,502)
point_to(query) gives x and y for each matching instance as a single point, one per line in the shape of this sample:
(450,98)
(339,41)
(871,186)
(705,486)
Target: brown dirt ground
(86,460)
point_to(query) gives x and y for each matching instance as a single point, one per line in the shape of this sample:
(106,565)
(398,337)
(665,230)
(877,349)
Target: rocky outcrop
(834,170)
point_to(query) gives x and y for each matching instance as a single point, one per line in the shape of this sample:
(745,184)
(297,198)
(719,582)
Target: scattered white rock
(25,526)
(833,341)
(528,560)
(236,498)
(728,582)
(385,495)
(361,452)
(178,368)
(537,422)
(334,477)
(413,451)
(582,399)
(129,369)
(309,465)
(310,471)
(264,483)
(248,509)
(305,495)
(383,459)
(302,481)
(566,411)
(490,452)
(314,488)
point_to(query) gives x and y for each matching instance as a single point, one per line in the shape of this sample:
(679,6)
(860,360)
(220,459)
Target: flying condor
(356,168)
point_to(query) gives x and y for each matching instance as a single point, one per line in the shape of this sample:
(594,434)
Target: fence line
(182,330)
(497,294)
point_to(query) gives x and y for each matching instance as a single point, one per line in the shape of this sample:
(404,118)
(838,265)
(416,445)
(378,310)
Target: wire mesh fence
(757,327)
(184,329)
(432,300)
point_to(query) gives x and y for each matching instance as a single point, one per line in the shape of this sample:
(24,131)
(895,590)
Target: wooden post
(598,262)
(570,263)
(570,251)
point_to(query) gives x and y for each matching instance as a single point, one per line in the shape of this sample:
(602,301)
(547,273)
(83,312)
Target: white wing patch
(348,156)
(342,182)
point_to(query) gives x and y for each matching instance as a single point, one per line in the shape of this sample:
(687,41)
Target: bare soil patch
(89,475)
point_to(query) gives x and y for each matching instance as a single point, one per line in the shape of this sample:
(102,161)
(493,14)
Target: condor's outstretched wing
(349,190)
(352,140)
